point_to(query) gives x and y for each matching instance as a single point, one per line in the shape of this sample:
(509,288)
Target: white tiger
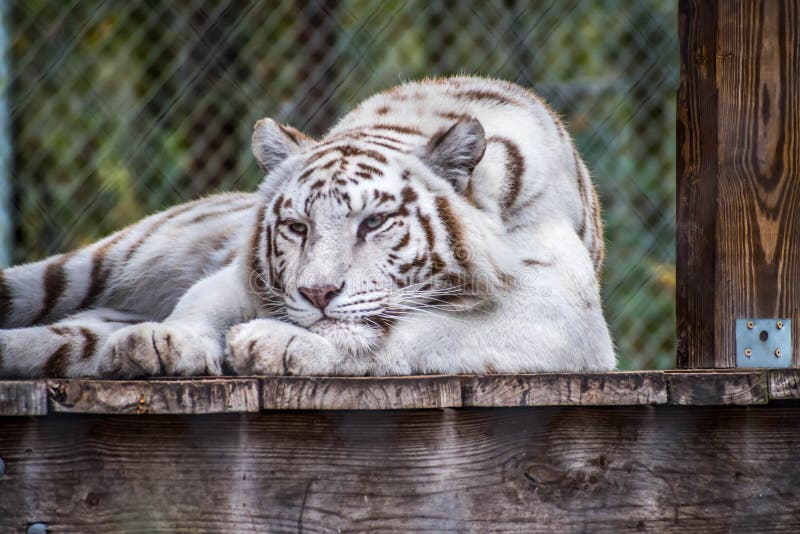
(443,226)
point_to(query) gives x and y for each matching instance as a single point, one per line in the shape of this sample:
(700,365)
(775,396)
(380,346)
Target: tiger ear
(454,153)
(274,142)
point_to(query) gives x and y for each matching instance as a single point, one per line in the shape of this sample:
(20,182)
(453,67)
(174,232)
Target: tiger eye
(373,221)
(298,227)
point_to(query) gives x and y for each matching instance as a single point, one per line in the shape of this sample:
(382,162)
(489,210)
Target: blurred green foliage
(120,109)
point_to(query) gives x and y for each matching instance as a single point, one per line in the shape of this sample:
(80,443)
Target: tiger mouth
(370,321)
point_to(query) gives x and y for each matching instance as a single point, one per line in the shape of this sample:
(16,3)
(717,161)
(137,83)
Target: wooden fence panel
(738,173)
(599,469)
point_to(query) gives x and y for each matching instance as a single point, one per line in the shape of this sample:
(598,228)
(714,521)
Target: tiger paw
(160,349)
(270,347)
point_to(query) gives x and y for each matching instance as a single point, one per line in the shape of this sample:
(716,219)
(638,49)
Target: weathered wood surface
(223,395)
(23,397)
(243,395)
(302,393)
(697,170)
(698,389)
(784,384)
(560,469)
(738,173)
(565,389)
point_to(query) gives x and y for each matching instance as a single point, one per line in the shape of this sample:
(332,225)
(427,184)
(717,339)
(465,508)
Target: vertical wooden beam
(696,140)
(738,173)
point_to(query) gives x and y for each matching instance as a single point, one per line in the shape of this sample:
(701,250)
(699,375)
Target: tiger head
(360,230)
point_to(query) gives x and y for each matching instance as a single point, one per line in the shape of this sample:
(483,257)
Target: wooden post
(738,131)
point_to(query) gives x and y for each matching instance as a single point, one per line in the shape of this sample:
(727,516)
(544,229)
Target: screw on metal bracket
(37,528)
(764,342)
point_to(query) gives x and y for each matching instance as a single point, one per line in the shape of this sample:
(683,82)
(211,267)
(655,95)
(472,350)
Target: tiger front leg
(162,349)
(68,348)
(271,347)
(188,342)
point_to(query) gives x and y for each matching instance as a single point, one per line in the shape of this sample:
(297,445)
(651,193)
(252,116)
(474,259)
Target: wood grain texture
(758,233)
(565,389)
(697,170)
(738,173)
(784,384)
(304,393)
(23,397)
(560,469)
(233,395)
(199,396)
(698,389)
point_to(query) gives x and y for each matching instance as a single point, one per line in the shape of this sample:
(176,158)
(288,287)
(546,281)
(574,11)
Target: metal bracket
(763,342)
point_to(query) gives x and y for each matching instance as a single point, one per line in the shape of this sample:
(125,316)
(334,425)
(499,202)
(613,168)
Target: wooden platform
(648,452)
(252,394)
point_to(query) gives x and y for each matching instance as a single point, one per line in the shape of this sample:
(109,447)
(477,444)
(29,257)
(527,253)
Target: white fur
(548,319)
(537,307)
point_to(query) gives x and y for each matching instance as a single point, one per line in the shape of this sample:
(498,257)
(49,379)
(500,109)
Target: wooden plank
(220,395)
(198,396)
(697,172)
(395,393)
(697,389)
(23,397)
(559,469)
(738,173)
(759,168)
(565,389)
(784,384)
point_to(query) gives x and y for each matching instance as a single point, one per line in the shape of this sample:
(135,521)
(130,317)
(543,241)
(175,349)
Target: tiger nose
(320,295)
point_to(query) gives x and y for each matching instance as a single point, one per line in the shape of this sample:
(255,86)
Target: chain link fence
(118,109)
